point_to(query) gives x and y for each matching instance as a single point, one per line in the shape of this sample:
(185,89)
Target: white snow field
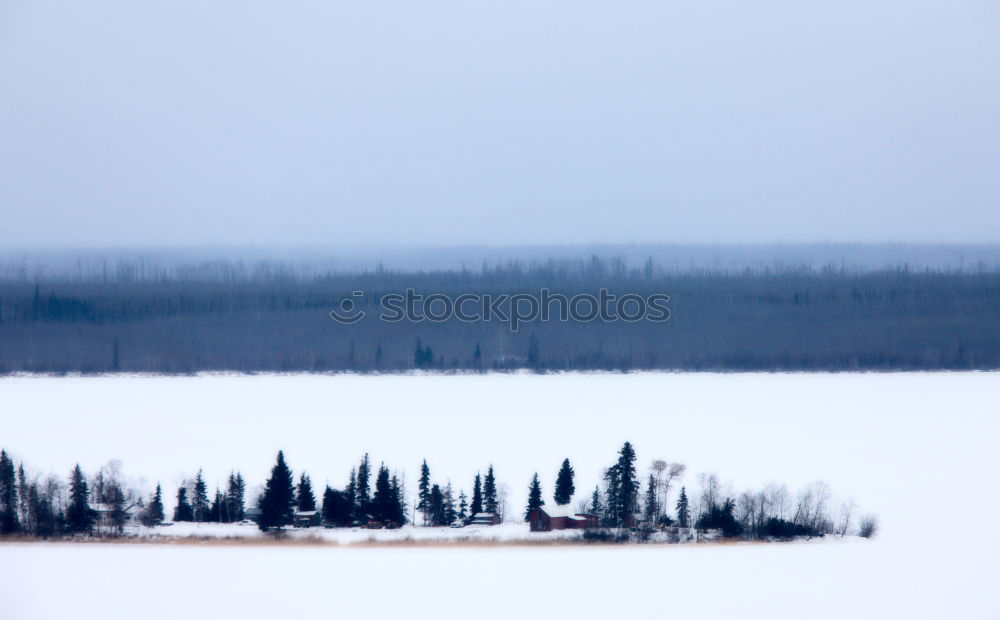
(919,449)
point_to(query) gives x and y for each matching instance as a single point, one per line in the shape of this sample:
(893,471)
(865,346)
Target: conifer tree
(24,499)
(235,494)
(424,491)
(596,507)
(337,510)
(399,503)
(564,484)
(363,488)
(351,495)
(477,497)
(612,506)
(490,492)
(115,499)
(183,510)
(477,358)
(383,502)
(199,503)
(9,522)
(423,357)
(418,354)
(650,509)
(276,504)
(437,505)
(43,517)
(463,506)
(533,356)
(155,513)
(535,500)
(683,511)
(79,516)
(628,485)
(216,513)
(304,494)
(449,504)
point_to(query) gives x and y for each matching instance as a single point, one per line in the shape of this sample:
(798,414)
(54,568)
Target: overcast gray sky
(517,122)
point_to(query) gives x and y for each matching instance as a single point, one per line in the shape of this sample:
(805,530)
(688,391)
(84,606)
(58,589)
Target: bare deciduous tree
(846,514)
(868,525)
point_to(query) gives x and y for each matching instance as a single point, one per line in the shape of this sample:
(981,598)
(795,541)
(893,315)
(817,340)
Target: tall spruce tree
(628,484)
(351,495)
(535,500)
(449,504)
(278,500)
(437,505)
(79,515)
(564,484)
(9,521)
(490,491)
(424,492)
(183,510)
(612,504)
(24,499)
(305,499)
(363,488)
(650,508)
(235,494)
(477,497)
(199,502)
(463,506)
(683,511)
(155,514)
(383,502)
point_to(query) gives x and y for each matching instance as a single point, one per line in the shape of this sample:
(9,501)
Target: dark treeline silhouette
(830,319)
(105,504)
(228,264)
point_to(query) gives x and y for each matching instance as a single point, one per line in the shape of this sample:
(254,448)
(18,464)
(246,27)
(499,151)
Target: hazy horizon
(308,260)
(455,123)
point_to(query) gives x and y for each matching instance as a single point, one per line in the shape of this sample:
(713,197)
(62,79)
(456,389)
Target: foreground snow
(919,449)
(816,581)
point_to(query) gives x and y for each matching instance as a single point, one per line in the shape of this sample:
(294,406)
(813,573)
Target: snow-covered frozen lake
(807,580)
(916,448)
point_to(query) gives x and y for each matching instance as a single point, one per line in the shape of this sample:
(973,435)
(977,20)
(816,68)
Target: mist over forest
(249,262)
(765,311)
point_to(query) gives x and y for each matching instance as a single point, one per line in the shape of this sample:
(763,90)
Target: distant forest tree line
(624,499)
(787,319)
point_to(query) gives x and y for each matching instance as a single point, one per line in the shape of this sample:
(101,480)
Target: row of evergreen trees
(102,504)
(357,503)
(439,506)
(225,507)
(37,509)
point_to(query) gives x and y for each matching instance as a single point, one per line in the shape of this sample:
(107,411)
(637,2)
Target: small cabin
(305,518)
(548,518)
(105,517)
(485,518)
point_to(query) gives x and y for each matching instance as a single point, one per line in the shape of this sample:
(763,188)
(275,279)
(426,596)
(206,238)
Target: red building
(548,518)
